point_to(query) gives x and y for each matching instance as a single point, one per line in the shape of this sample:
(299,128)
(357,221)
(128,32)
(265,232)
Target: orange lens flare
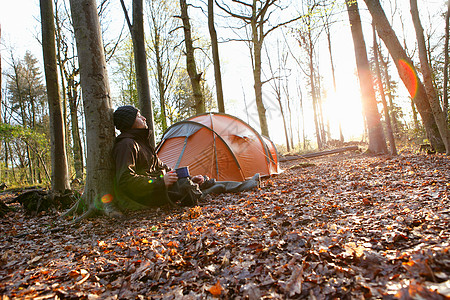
(409,77)
(107,198)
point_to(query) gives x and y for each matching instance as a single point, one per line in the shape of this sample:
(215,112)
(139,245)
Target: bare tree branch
(243,3)
(127,18)
(110,53)
(282,24)
(229,12)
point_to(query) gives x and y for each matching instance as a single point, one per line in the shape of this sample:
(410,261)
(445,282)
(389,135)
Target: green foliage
(181,104)
(26,148)
(124,74)
(19,139)
(26,92)
(9,132)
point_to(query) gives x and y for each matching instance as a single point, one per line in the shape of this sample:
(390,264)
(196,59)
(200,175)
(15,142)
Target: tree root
(91,212)
(38,200)
(79,207)
(73,209)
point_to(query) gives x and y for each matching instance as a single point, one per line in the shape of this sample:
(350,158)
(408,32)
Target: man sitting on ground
(142,180)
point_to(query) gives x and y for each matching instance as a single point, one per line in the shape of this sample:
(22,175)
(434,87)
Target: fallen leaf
(216,290)
(294,285)
(34,259)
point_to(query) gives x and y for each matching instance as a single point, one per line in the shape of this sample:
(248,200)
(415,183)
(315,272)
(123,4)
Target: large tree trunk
(140,61)
(438,113)
(407,73)
(97,104)
(60,173)
(216,59)
(377,142)
(190,61)
(379,80)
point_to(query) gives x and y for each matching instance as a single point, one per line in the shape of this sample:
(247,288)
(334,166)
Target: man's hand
(170,178)
(198,179)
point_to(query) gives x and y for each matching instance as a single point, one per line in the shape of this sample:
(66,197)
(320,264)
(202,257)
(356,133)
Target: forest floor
(347,226)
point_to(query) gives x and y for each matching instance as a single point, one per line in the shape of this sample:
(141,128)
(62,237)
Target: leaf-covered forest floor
(347,226)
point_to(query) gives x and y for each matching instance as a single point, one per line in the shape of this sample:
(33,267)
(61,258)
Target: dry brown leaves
(341,228)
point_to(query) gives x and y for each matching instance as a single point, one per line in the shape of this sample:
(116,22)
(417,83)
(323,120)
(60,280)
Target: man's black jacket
(138,171)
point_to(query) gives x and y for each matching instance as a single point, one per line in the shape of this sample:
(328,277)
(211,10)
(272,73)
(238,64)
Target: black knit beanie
(124,117)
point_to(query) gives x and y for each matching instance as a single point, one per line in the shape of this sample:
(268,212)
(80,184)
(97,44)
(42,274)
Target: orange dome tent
(220,146)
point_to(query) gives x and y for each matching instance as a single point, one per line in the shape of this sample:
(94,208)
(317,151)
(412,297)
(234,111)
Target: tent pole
(214,145)
(181,154)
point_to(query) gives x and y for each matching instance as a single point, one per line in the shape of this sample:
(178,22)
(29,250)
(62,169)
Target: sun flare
(344,108)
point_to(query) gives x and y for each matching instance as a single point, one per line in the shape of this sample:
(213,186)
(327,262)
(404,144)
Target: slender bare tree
(256,15)
(62,78)
(69,70)
(377,142)
(307,38)
(60,173)
(276,82)
(140,62)
(327,14)
(216,58)
(379,81)
(390,86)
(191,66)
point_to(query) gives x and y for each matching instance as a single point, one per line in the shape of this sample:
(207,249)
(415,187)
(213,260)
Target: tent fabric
(187,130)
(218,145)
